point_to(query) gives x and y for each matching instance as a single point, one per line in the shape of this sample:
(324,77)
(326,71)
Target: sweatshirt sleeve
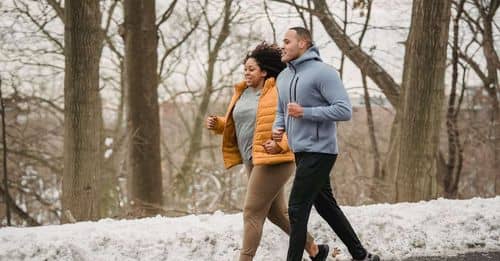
(279,120)
(333,91)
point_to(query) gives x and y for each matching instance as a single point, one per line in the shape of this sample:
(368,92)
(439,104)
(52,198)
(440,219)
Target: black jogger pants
(311,186)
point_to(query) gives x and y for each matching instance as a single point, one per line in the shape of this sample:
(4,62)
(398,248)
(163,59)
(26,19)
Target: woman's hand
(271,147)
(211,122)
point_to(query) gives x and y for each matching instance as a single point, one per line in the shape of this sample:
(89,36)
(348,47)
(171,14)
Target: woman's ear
(263,73)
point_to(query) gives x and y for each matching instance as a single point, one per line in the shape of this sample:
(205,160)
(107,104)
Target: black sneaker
(322,253)
(369,257)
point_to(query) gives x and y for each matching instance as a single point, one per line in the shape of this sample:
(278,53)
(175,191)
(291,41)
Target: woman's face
(254,76)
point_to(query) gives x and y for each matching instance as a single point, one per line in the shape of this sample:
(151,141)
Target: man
(312,99)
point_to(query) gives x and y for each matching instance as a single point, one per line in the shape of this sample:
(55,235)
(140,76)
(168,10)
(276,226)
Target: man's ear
(302,44)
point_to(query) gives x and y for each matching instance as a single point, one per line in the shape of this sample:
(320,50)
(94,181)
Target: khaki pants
(265,198)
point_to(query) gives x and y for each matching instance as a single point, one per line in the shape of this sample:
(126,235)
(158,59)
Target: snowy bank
(394,231)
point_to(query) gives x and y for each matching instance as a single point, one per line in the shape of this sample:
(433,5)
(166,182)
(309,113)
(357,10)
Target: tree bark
(141,62)
(417,142)
(83,123)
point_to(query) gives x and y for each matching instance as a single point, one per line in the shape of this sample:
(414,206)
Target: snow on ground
(438,227)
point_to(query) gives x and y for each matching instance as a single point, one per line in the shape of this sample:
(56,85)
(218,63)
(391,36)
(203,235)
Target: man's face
(293,48)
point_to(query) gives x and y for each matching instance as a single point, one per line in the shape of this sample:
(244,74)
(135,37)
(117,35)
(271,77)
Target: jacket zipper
(289,122)
(295,90)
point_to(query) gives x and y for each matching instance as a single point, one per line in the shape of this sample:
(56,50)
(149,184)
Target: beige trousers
(265,198)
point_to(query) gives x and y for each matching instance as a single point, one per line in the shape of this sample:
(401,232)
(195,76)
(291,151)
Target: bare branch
(166,14)
(58,9)
(299,7)
(474,65)
(19,211)
(40,26)
(110,16)
(365,62)
(177,45)
(266,10)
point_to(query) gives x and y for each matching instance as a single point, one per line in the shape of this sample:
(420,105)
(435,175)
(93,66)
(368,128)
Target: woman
(247,131)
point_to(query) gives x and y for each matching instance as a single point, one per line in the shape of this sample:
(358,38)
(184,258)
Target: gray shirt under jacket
(244,114)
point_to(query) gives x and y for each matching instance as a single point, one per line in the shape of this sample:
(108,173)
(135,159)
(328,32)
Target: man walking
(312,99)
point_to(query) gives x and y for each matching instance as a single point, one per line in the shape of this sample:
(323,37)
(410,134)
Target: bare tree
(4,162)
(417,137)
(354,52)
(83,126)
(455,149)
(42,20)
(182,178)
(481,26)
(141,62)
(368,105)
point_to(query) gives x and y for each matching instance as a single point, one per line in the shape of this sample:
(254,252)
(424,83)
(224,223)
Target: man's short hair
(303,34)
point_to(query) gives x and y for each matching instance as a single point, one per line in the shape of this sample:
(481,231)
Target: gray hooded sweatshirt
(317,87)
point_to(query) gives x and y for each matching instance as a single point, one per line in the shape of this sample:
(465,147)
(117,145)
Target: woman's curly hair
(268,58)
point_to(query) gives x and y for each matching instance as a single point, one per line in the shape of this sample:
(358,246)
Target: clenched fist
(211,122)
(271,147)
(278,134)
(295,110)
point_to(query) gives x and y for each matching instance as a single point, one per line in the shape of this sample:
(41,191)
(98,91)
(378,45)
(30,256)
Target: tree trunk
(141,61)
(83,123)
(371,129)
(416,142)
(455,155)
(4,159)
(492,65)
(376,188)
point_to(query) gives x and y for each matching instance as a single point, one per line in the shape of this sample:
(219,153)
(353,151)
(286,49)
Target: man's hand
(211,122)
(295,110)
(271,147)
(278,134)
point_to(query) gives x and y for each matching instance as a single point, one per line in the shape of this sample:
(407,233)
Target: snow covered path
(394,231)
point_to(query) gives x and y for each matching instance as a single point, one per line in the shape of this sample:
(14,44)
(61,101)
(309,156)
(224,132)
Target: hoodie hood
(311,54)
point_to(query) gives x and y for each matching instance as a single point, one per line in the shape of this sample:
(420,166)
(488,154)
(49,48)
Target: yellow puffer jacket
(266,112)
